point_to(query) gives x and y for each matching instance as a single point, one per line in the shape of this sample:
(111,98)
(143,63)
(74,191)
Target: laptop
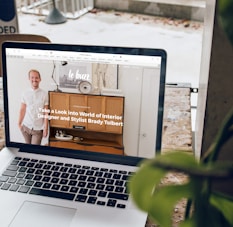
(78,121)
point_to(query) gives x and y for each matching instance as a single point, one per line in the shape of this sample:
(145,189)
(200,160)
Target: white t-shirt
(35,101)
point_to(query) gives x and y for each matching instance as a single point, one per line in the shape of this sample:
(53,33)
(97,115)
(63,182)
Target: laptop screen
(84,100)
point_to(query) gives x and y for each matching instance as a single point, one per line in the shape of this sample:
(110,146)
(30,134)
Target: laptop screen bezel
(69,153)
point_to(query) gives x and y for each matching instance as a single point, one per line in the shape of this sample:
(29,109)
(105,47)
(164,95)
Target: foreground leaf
(142,185)
(163,201)
(224,205)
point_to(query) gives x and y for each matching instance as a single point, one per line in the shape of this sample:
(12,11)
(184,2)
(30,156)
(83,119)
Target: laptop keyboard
(85,184)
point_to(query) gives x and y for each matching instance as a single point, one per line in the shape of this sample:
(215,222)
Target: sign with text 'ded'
(8,17)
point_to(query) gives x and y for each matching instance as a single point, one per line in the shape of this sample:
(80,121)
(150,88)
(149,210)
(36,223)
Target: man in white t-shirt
(34,101)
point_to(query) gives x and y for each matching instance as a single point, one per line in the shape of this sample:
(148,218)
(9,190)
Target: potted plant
(205,206)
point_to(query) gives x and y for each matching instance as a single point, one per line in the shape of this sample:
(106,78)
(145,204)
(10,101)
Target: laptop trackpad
(38,214)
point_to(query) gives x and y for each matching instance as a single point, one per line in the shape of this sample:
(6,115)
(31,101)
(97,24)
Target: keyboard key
(29,183)
(56,187)
(91,179)
(22,163)
(29,176)
(12,180)
(74,176)
(122,206)
(63,169)
(109,188)
(9,173)
(56,174)
(92,200)
(90,185)
(14,162)
(54,180)
(100,180)
(98,174)
(22,169)
(30,164)
(123,172)
(55,168)
(110,181)
(113,195)
(5,186)
(38,166)
(81,184)
(81,198)
(117,176)
(83,191)
(47,167)
(65,175)
(100,186)
(90,172)
(68,165)
(113,171)
(108,175)
(119,183)
(102,194)
(14,187)
(46,179)
(72,183)
(65,188)
(13,168)
(81,171)
(51,162)
(4,178)
(74,190)
(47,185)
(31,170)
(47,173)
(39,171)
(119,189)
(38,184)
(101,203)
(92,192)
(20,175)
(53,194)
(21,181)
(111,203)
(63,181)
(59,164)
(37,178)
(72,170)
(24,189)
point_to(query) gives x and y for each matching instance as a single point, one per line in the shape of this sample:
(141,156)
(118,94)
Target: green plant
(225,9)
(209,208)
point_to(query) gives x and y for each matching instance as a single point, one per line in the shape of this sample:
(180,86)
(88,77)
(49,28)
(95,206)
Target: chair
(19,37)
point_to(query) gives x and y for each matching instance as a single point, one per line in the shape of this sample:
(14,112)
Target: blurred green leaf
(188,223)
(225,8)
(142,184)
(163,201)
(224,205)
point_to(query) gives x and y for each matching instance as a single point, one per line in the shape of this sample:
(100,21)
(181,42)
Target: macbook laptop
(78,121)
